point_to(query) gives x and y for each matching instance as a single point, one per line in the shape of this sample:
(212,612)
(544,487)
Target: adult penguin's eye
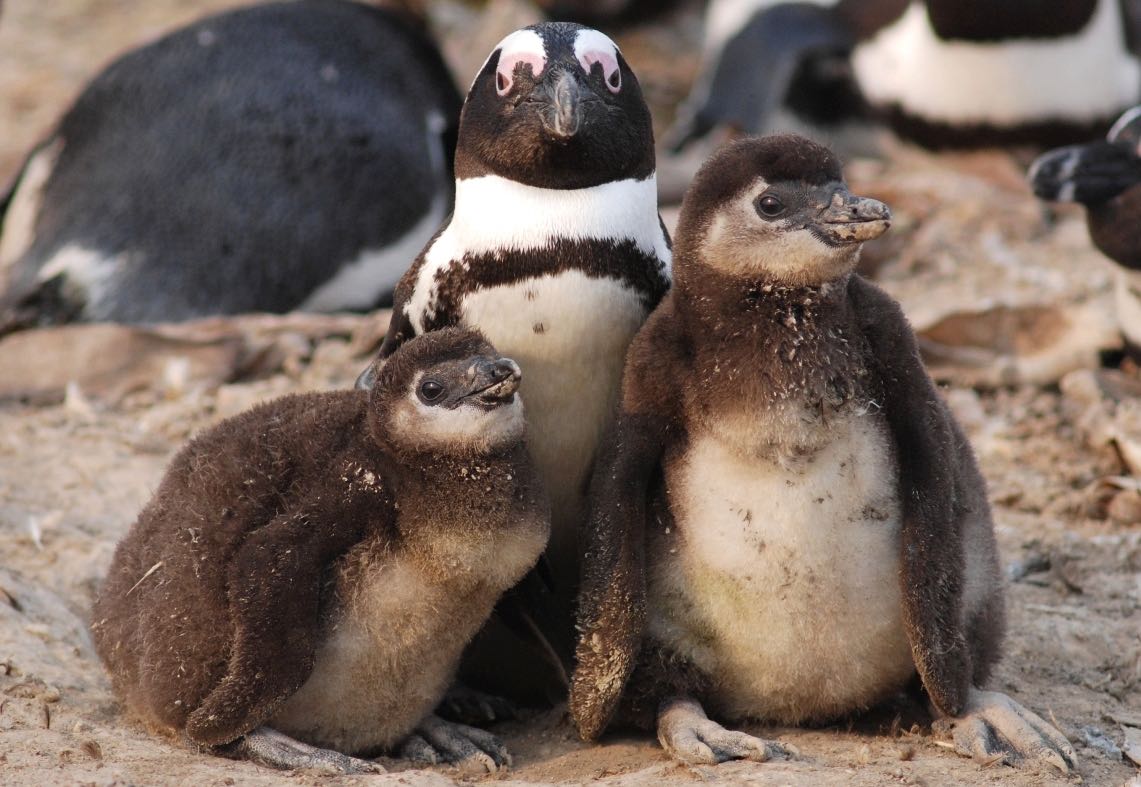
(430,390)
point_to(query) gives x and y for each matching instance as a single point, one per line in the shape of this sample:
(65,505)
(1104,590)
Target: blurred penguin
(1105,177)
(292,155)
(943,73)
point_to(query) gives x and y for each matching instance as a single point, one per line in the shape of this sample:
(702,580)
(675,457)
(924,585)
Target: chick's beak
(851,219)
(494,380)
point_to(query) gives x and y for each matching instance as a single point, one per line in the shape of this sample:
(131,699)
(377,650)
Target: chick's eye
(431,390)
(770,206)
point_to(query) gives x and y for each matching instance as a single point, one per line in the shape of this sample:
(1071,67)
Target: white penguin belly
(781,581)
(569,333)
(1003,83)
(385,662)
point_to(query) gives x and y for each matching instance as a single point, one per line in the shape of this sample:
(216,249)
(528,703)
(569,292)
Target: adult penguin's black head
(1094,173)
(556,106)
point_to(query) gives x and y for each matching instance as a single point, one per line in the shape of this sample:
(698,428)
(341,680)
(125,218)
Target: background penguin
(283,156)
(1106,178)
(941,72)
(314,567)
(815,530)
(556,252)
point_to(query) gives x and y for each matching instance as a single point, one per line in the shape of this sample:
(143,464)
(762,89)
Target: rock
(1008,345)
(101,363)
(1105,406)
(1096,739)
(104,361)
(1132,747)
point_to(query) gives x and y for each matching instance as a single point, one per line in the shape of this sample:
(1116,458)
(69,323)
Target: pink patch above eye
(610,71)
(505,71)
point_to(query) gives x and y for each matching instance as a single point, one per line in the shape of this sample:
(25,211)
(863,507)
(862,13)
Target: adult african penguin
(1105,177)
(291,155)
(300,587)
(554,250)
(787,524)
(940,72)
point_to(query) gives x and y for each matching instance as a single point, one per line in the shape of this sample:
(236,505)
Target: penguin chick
(943,73)
(814,528)
(283,156)
(301,586)
(555,251)
(1105,177)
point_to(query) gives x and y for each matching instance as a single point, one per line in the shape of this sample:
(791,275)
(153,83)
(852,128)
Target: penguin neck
(483,519)
(779,346)
(718,302)
(496,214)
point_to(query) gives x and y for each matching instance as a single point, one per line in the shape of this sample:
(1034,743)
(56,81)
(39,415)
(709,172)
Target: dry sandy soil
(969,240)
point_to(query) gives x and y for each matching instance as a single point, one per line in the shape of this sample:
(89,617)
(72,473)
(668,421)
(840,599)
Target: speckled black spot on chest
(796,344)
(620,260)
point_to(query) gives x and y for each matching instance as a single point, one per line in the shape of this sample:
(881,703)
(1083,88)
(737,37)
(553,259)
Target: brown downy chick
(303,582)
(787,524)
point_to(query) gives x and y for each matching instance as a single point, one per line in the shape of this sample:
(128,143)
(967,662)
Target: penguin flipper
(755,69)
(612,596)
(932,491)
(1090,174)
(611,616)
(275,579)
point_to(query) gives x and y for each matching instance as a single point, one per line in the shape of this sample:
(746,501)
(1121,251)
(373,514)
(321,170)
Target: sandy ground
(968,238)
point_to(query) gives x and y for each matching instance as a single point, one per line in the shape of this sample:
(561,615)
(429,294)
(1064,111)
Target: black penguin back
(238,163)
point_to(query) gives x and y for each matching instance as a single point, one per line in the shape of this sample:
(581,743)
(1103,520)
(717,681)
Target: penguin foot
(466,705)
(269,747)
(436,741)
(690,736)
(995,728)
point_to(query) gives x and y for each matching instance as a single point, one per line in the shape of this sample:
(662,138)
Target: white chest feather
(569,333)
(1003,84)
(780,579)
(494,215)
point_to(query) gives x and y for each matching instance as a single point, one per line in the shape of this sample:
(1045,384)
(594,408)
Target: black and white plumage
(941,72)
(283,156)
(555,249)
(786,522)
(1105,177)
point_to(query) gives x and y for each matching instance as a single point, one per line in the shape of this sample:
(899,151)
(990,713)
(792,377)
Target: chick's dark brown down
(304,580)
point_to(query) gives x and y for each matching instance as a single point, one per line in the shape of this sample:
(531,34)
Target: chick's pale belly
(780,579)
(384,663)
(569,333)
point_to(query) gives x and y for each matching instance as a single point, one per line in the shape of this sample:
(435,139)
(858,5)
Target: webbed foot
(436,741)
(269,747)
(466,705)
(690,736)
(993,727)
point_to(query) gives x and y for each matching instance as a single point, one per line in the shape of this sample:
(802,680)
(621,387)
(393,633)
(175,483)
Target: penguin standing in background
(556,252)
(786,522)
(943,73)
(1105,177)
(283,156)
